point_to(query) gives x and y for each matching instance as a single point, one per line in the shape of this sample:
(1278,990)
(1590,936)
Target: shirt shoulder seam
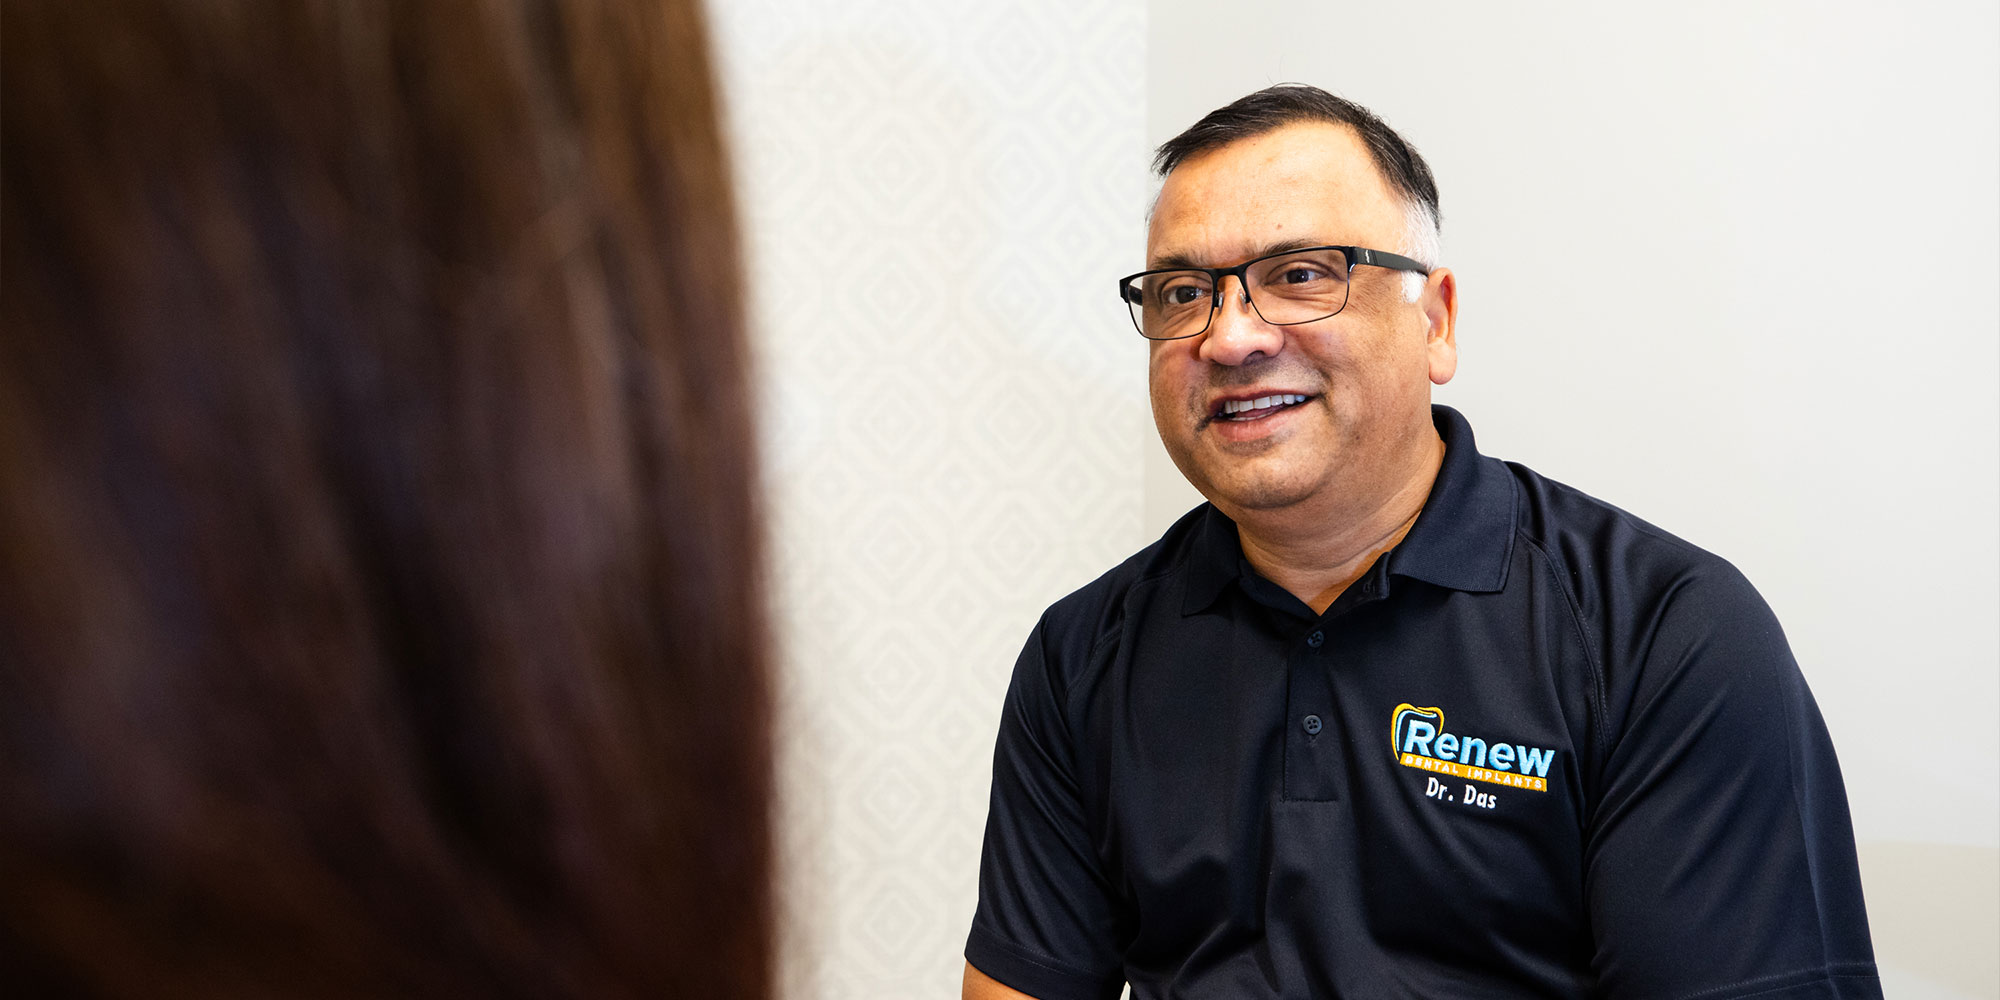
(1598,723)
(1098,644)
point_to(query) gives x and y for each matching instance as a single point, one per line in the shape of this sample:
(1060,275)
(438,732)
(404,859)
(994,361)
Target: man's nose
(1236,334)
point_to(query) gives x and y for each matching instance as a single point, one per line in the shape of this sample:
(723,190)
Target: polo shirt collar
(1215,560)
(1464,539)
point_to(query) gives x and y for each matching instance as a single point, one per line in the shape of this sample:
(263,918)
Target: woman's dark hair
(379,546)
(1285,104)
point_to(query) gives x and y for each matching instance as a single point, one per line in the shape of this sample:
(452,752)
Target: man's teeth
(1260,403)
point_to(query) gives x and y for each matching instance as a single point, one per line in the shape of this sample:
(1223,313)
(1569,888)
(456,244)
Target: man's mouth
(1256,409)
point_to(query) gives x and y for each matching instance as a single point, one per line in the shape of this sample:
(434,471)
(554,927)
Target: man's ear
(1439,303)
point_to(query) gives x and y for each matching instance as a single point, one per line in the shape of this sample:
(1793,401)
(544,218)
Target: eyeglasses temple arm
(1395,262)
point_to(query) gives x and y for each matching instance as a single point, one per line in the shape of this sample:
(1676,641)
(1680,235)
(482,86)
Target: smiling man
(1386,717)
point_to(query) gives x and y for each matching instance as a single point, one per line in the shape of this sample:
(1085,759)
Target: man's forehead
(1311,181)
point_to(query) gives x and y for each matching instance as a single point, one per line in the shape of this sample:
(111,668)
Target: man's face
(1365,373)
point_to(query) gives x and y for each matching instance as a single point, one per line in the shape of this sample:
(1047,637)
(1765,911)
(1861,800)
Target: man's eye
(1299,274)
(1183,293)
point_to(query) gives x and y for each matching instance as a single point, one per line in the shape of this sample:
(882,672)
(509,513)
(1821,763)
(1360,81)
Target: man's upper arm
(1046,918)
(1721,828)
(980,986)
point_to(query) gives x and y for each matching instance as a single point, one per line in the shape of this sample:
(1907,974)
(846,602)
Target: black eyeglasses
(1285,288)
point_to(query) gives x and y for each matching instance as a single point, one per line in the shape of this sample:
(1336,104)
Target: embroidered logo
(1418,738)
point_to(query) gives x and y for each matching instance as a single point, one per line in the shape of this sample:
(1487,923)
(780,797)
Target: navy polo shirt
(1540,749)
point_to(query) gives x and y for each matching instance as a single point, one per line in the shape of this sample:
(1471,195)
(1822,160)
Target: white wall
(937,196)
(1731,266)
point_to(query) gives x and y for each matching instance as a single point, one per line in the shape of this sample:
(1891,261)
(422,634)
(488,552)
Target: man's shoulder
(1096,610)
(1485,516)
(1577,527)
(1616,563)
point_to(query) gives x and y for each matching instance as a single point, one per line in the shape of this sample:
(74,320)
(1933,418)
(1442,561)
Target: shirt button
(1312,725)
(1316,639)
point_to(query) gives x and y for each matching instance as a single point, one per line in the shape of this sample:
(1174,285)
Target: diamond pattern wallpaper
(937,198)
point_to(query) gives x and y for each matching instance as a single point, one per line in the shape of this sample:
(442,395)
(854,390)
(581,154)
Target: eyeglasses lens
(1285,289)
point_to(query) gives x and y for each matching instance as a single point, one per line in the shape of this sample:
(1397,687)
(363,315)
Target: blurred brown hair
(378,546)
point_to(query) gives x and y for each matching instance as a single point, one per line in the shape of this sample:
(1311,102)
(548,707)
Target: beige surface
(1935,913)
(938,196)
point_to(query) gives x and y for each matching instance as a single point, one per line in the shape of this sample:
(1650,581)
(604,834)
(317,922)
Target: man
(1387,718)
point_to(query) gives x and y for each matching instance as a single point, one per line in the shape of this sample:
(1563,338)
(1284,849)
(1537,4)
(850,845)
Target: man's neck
(1317,556)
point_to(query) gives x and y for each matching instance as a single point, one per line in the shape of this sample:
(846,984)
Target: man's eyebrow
(1184,259)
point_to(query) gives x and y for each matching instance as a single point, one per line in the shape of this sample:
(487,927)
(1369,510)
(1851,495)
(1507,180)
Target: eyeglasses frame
(1354,255)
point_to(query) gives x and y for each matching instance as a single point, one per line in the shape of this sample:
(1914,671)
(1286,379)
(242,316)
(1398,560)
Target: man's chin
(1247,483)
(1255,494)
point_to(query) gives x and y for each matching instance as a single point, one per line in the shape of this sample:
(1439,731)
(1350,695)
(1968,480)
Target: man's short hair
(1274,107)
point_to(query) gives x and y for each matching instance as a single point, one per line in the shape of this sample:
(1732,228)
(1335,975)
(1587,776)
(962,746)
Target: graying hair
(1421,242)
(1267,110)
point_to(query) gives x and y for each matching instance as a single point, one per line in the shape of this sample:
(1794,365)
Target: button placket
(1312,757)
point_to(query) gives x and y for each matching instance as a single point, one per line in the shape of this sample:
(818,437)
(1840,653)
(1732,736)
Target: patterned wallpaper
(937,197)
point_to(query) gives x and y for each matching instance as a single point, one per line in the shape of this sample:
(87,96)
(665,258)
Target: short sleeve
(1046,923)
(1720,856)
